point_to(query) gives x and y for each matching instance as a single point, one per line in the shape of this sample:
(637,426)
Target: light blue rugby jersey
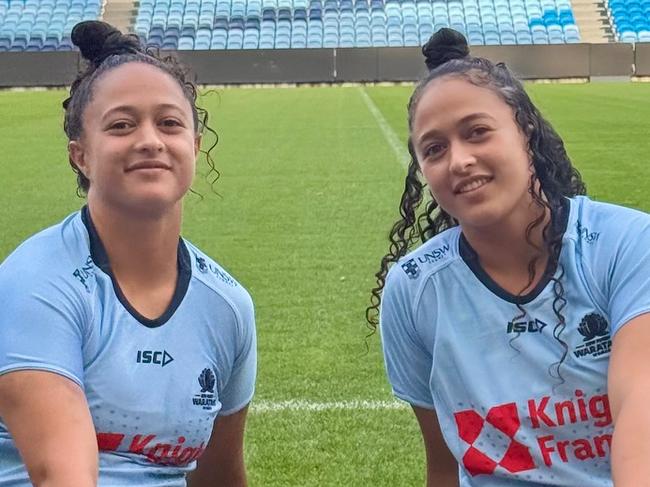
(154,387)
(451,343)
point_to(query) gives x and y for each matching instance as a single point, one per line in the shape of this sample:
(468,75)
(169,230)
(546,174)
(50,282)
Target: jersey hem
(236,409)
(413,402)
(629,317)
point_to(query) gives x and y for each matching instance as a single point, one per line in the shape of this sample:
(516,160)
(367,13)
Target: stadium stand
(631,19)
(282,24)
(31,25)
(36,25)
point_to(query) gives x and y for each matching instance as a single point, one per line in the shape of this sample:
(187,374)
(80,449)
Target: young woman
(126,354)
(519,329)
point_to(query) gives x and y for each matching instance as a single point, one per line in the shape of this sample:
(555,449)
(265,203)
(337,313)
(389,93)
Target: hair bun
(443,46)
(97,40)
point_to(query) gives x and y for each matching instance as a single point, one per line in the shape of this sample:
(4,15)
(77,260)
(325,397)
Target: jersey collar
(559,221)
(100,258)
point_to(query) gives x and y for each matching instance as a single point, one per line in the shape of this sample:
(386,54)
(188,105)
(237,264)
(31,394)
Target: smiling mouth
(473,185)
(147,167)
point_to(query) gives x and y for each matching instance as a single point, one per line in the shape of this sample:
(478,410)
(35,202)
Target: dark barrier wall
(542,61)
(37,68)
(261,66)
(642,59)
(611,59)
(341,65)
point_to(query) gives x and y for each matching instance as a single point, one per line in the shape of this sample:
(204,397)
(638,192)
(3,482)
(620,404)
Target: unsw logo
(586,235)
(411,267)
(504,420)
(206,398)
(204,267)
(84,272)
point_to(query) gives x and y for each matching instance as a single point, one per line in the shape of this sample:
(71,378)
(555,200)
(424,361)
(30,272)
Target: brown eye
(434,150)
(119,126)
(478,131)
(171,122)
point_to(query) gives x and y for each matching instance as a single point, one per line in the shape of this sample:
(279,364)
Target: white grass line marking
(391,137)
(309,406)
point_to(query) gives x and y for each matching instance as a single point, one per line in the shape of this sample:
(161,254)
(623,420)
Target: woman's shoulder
(57,250)
(430,257)
(586,210)
(216,277)
(53,266)
(604,226)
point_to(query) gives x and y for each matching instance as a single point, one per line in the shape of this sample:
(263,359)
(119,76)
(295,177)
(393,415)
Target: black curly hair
(553,177)
(103,47)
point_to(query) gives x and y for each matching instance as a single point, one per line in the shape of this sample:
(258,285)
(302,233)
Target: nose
(149,139)
(461,157)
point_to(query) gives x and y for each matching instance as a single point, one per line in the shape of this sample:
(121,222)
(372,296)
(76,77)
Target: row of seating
(250,24)
(237,24)
(630,19)
(34,25)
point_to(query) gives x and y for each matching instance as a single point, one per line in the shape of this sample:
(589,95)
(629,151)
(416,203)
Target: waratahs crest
(593,325)
(207,380)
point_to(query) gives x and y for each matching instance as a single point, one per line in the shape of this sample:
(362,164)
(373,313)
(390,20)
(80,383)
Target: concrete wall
(642,59)
(340,65)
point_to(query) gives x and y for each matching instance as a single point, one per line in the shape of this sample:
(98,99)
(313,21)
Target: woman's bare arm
(442,469)
(48,418)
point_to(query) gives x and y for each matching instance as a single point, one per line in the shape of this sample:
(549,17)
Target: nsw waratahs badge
(206,398)
(596,338)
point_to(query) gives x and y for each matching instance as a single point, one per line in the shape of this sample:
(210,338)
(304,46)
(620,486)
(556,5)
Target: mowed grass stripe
(309,406)
(389,134)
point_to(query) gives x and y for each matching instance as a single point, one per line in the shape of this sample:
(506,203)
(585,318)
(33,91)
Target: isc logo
(153,357)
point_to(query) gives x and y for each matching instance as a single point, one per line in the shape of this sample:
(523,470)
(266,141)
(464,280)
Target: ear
(78,156)
(197,144)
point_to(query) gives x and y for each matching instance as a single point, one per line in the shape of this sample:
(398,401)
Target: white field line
(309,406)
(393,140)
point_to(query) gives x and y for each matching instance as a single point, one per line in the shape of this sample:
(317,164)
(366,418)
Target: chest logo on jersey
(206,398)
(586,235)
(493,440)
(204,267)
(154,357)
(84,272)
(530,326)
(411,267)
(597,340)
(177,454)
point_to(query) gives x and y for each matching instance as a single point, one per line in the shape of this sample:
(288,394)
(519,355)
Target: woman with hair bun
(126,354)
(518,330)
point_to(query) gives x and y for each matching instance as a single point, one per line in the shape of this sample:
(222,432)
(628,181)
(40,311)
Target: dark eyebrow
(468,118)
(131,110)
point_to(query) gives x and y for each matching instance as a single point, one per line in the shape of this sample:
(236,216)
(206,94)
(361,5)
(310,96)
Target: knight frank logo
(597,340)
(411,268)
(515,457)
(549,431)
(206,398)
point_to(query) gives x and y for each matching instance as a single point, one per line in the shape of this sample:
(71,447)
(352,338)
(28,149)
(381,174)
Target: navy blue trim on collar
(559,221)
(100,258)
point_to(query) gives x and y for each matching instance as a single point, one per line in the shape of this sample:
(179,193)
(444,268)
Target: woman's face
(138,145)
(471,152)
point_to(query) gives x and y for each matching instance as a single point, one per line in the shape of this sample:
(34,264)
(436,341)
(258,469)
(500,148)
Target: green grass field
(308,190)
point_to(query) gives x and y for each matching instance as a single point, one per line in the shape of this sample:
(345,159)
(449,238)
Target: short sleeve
(408,363)
(41,323)
(629,272)
(239,389)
